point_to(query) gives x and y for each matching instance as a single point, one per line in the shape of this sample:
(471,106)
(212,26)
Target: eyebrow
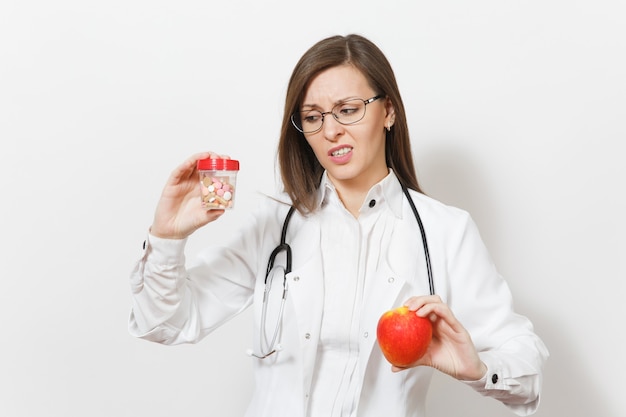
(314,106)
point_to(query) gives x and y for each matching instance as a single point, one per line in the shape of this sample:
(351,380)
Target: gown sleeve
(504,339)
(173,303)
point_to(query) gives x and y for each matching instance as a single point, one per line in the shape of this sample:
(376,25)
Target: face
(353,155)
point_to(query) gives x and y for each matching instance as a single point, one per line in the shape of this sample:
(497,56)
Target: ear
(390,116)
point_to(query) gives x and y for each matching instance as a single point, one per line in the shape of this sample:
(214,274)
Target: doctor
(357,251)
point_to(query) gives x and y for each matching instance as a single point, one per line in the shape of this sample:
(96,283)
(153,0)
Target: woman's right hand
(451,350)
(179,212)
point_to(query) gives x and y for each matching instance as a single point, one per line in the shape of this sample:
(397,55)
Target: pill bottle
(218,179)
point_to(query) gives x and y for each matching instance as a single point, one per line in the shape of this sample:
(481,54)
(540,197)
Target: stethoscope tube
(429,269)
(272,347)
(284,246)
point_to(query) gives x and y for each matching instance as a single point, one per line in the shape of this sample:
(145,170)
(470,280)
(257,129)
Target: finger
(395,368)
(434,308)
(208,217)
(188,168)
(417,302)
(440,311)
(212,215)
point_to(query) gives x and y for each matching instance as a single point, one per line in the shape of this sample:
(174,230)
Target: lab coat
(173,304)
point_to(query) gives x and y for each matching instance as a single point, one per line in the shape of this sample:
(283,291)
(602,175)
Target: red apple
(403,336)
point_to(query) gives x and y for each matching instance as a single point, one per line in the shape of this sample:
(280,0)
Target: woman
(345,159)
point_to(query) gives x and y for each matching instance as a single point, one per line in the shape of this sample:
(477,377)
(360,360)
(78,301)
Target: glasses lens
(307,121)
(349,112)
(346,113)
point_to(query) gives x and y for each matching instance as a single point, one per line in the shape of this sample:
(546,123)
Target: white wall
(517,112)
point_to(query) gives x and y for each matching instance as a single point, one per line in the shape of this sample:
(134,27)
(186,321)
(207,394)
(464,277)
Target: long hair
(299,168)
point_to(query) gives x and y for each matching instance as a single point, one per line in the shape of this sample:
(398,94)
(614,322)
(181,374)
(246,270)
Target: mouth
(340,151)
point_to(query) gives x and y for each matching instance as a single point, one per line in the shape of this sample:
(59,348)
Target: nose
(331,128)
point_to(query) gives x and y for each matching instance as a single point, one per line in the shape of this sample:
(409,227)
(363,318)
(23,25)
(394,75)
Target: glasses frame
(365,102)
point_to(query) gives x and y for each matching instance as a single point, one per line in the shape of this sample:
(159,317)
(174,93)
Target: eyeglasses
(347,112)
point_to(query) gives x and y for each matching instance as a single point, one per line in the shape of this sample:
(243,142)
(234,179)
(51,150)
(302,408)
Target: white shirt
(379,268)
(350,250)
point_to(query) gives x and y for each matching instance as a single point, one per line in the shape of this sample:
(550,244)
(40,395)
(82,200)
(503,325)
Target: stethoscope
(272,346)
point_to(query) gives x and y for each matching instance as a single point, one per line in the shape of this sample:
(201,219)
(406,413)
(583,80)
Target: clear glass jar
(218,178)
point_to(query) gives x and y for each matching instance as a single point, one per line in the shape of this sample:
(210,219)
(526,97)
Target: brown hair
(299,168)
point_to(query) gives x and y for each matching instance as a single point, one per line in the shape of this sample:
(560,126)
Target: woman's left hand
(451,350)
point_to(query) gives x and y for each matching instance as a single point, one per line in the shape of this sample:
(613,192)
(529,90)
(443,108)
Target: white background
(517,114)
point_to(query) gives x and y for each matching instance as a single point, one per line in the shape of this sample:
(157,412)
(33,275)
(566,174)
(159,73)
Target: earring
(388,127)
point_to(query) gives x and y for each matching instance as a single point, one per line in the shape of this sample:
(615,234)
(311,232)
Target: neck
(352,192)
(352,200)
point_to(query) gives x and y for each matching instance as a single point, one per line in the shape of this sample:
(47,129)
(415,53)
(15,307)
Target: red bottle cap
(213,164)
